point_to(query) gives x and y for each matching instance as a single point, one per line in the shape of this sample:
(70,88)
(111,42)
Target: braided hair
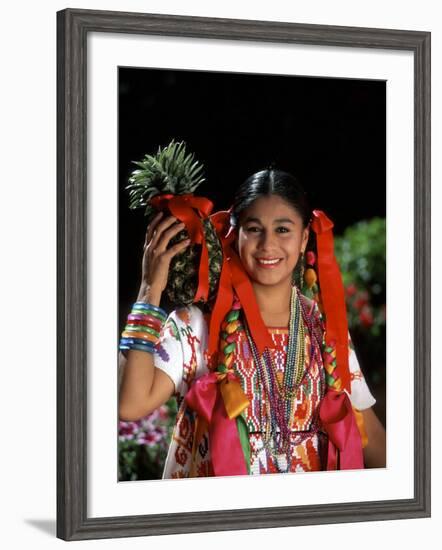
(230,330)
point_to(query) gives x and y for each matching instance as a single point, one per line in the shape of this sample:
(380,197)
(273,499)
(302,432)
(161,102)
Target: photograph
(284,369)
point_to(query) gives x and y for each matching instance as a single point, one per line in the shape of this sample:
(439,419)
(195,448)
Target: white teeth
(268,262)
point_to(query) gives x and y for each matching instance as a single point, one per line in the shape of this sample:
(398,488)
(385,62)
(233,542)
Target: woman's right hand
(157,256)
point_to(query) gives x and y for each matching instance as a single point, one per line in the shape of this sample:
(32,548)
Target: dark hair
(271,182)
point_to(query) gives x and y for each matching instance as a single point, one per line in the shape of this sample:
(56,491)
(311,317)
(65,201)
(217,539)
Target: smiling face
(271,237)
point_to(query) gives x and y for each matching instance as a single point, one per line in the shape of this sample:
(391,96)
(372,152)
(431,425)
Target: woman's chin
(270,279)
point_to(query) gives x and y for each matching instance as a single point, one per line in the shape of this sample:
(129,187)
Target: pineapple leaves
(172,170)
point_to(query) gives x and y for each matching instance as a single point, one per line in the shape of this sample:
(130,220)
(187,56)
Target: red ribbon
(344,439)
(224,297)
(205,398)
(183,208)
(244,289)
(333,295)
(233,276)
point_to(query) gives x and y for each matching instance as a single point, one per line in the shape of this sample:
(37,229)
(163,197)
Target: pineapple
(174,171)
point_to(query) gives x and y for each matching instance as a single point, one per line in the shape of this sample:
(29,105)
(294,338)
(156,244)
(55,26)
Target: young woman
(281,428)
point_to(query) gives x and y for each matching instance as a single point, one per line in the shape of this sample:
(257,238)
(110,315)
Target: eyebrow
(279,220)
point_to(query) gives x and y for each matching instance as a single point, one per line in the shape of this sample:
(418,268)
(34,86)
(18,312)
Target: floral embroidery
(162,352)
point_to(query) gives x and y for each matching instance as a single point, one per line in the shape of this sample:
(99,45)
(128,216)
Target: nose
(266,241)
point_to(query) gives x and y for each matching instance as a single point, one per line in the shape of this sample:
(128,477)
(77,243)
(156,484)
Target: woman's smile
(268,263)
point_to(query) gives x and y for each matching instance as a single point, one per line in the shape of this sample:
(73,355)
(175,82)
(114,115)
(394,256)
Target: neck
(273,300)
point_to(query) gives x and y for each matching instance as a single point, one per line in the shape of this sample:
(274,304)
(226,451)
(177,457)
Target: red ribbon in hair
(344,439)
(183,208)
(332,293)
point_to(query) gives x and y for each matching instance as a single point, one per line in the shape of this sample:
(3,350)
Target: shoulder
(187,318)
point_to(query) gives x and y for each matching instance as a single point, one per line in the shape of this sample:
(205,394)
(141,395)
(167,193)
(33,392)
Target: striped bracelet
(143,328)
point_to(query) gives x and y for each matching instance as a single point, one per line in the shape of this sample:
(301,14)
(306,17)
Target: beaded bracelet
(143,328)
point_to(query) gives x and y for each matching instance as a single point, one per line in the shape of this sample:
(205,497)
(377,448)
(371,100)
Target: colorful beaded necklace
(279,398)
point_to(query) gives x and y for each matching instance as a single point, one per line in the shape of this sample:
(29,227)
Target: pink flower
(147,425)
(351,290)
(366,316)
(162,413)
(310,257)
(127,430)
(149,439)
(361,300)
(127,427)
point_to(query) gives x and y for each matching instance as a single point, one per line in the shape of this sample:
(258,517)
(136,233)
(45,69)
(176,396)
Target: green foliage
(361,253)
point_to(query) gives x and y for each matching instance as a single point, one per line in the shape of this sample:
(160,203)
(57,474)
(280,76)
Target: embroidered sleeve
(169,356)
(360,396)
(181,347)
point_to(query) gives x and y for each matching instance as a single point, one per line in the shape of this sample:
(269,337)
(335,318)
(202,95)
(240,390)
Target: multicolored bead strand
(143,327)
(316,335)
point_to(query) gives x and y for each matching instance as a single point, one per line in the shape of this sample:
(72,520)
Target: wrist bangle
(141,307)
(152,307)
(136,347)
(124,341)
(143,327)
(140,336)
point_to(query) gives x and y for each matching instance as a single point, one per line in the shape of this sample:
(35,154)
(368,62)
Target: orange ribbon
(235,400)
(361,426)
(184,208)
(333,295)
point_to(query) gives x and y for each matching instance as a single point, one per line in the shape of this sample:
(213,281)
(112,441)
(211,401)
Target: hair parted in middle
(271,182)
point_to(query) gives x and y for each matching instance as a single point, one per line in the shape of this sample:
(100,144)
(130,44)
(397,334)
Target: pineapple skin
(182,281)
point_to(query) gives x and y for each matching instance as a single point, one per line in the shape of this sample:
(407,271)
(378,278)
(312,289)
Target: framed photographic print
(347,110)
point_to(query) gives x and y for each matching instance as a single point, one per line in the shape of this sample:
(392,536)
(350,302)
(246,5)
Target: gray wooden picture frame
(73,26)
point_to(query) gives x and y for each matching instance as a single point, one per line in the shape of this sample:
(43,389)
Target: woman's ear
(304,241)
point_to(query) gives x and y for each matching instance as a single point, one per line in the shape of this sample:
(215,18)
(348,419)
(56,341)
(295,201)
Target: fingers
(151,228)
(155,232)
(164,238)
(156,256)
(175,249)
